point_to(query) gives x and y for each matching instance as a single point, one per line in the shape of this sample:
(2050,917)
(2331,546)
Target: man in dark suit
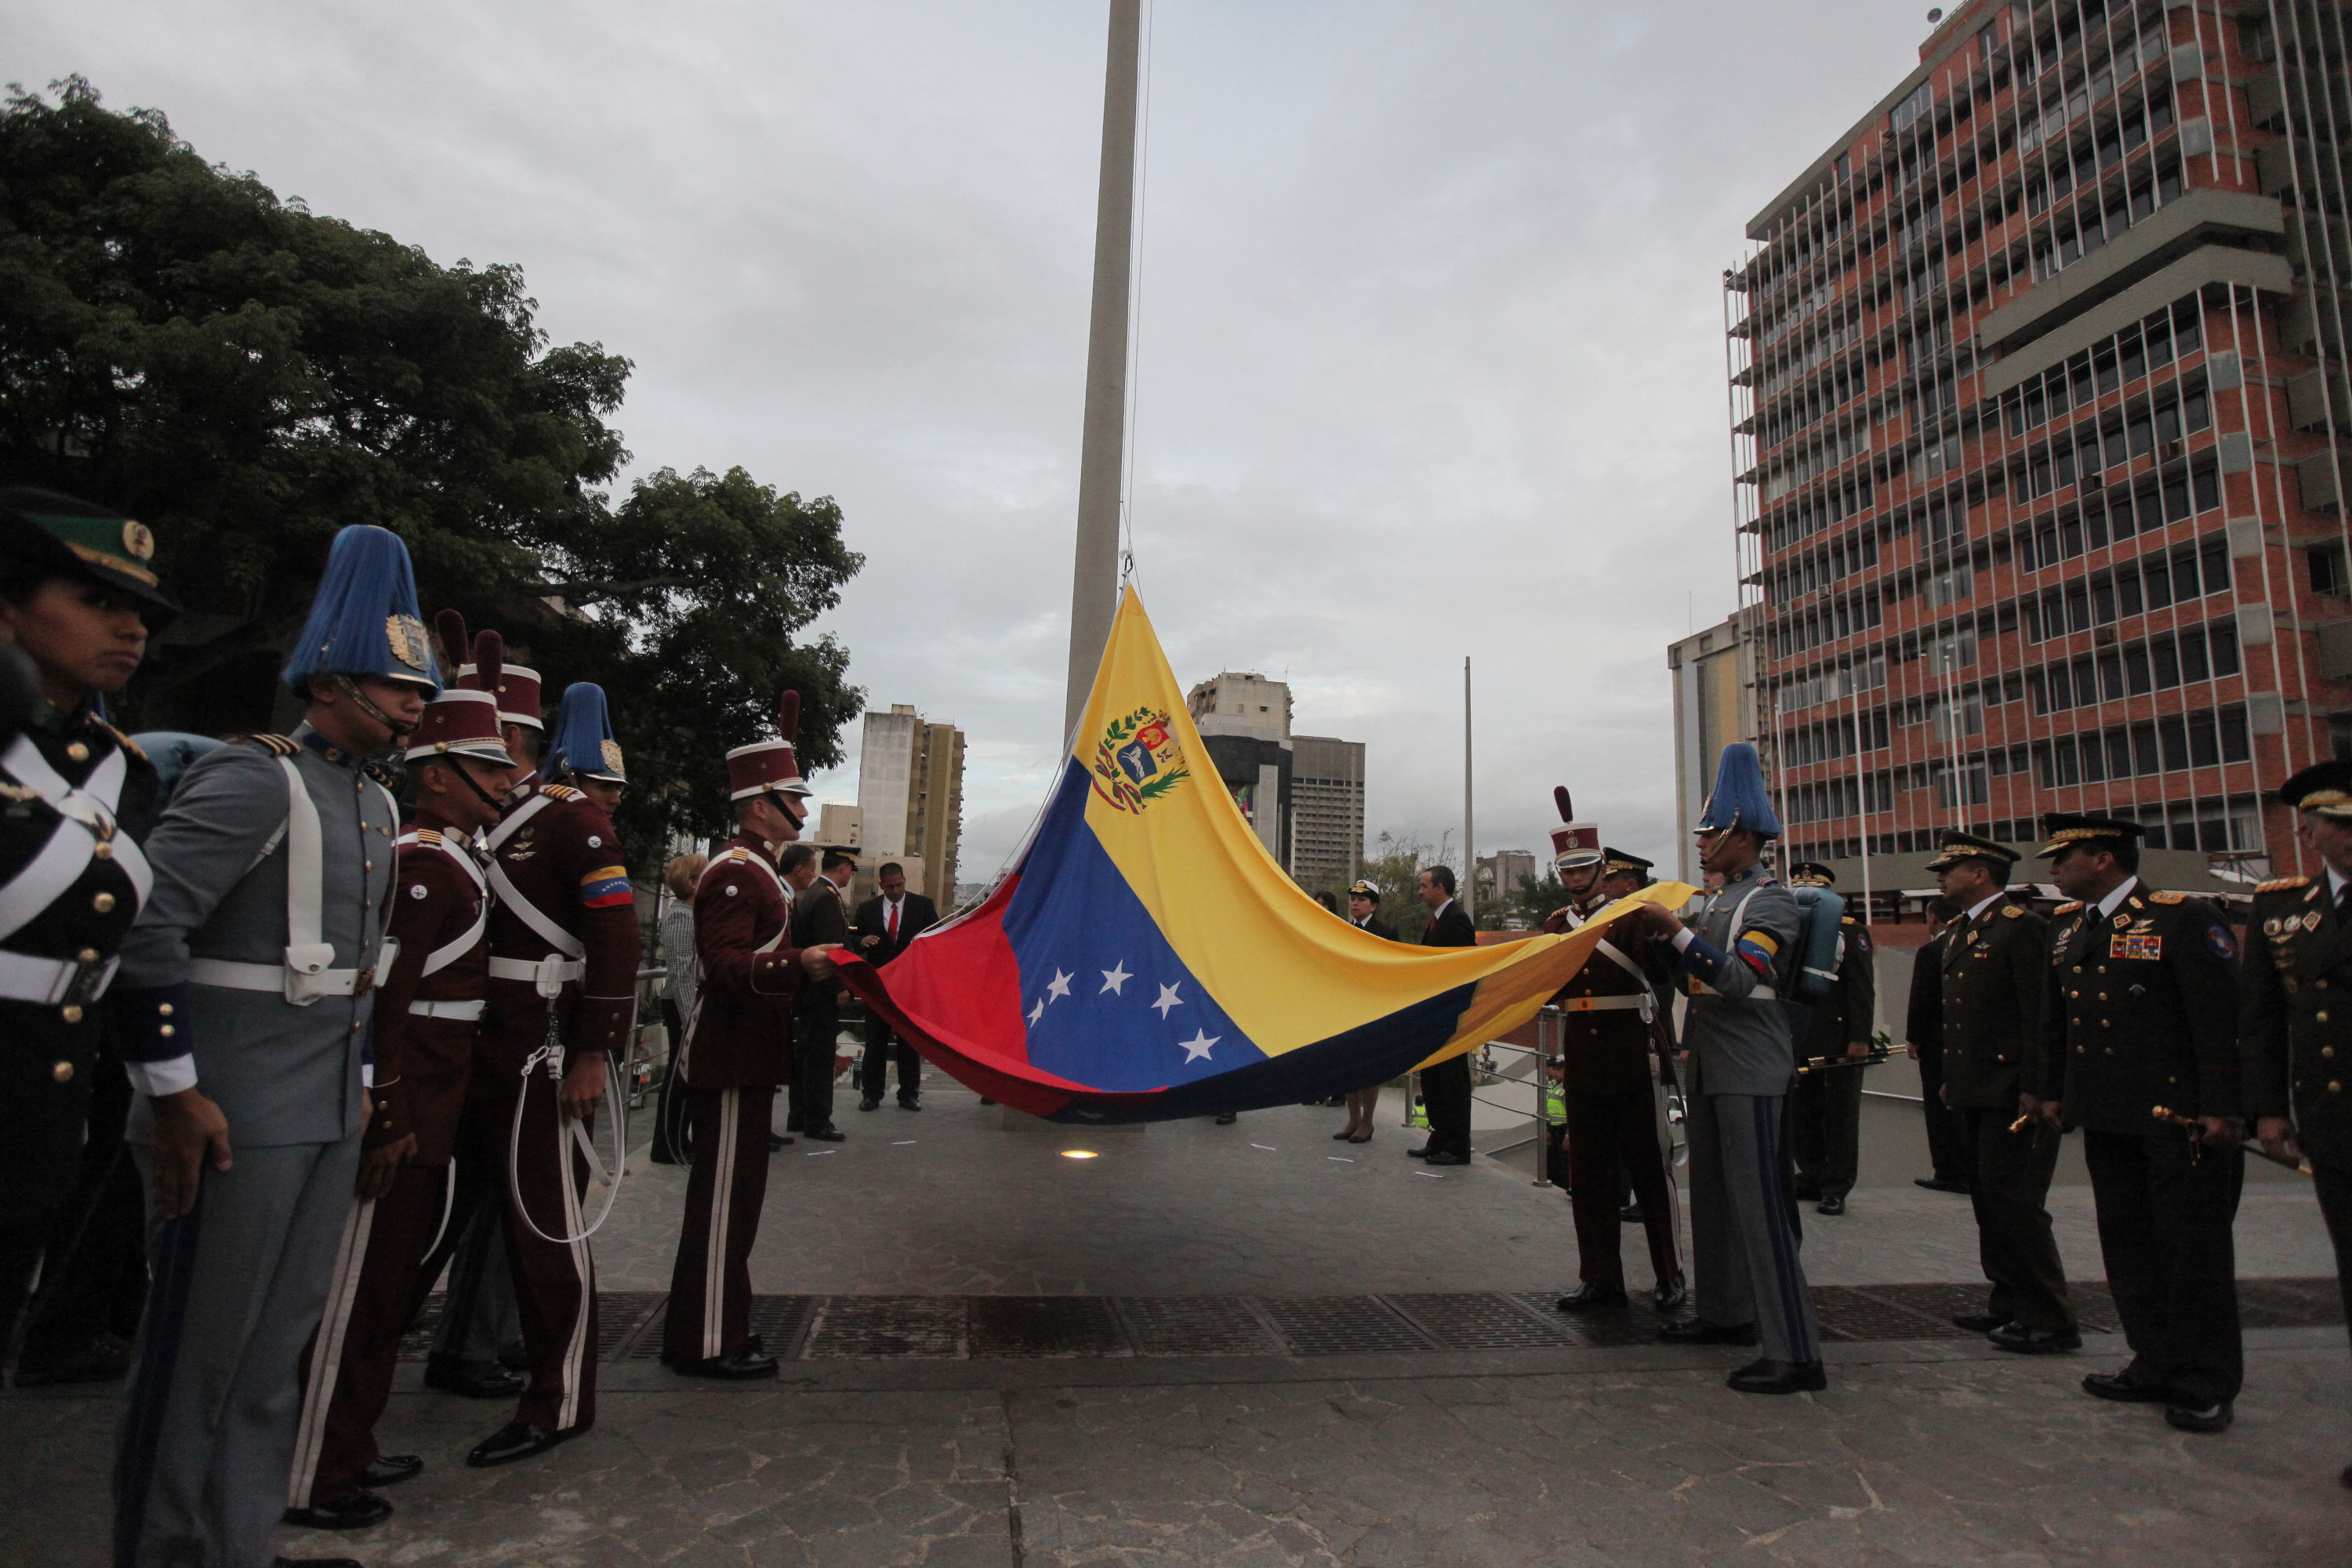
(885,925)
(1445,1087)
(819,915)
(1923,1033)
(2141,1011)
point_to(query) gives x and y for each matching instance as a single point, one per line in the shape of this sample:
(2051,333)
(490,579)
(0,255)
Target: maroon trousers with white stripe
(347,1372)
(710,1286)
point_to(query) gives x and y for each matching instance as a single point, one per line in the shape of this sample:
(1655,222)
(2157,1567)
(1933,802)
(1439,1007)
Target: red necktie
(893,907)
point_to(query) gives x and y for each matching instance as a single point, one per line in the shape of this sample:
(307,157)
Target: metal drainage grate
(888,1326)
(1195,1325)
(1634,1325)
(1481,1322)
(1847,1313)
(781,1322)
(624,1318)
(416,1344)
(1338,1325)
(1046,1326)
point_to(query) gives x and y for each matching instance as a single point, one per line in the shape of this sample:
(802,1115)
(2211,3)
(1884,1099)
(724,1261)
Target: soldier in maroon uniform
(426,1012)
(1609,1039)
(564,962)
(737,1049)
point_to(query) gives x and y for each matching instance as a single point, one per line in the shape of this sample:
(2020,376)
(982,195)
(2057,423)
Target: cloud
(1431,359)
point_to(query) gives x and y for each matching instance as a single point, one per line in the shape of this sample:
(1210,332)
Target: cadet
(737,1049)
(1825,1102)
(76,603)
(2296,967)
(1991,965)
(1734,961)
(562,986)
(1608,1039)
(246,990)
(427,1009)
(2140,1014)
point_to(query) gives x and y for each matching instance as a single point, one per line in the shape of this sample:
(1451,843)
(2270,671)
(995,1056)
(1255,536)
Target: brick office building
(2041,416)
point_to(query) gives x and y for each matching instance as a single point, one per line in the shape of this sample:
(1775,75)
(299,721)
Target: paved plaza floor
(1925,1450)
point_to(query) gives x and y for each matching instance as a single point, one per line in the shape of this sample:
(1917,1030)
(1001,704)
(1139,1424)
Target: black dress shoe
(741,1367)
(795,1124)
(778,1141)
(1769,1376)
(1939,1184)
(1228,1118)
(1829,1206)
(871,1102)
(2036,1342)
(474,1379)
(907,1103)
(1591,1298)
(1699,1332)
(1445,1157)
(518,1440)
(1419,1154)
(1630,1215)
(514,1358)
(2207,1418)
(2344,1476)
(1671,1294)
(390,1470)
(827,1135)
(985,1100)
(1979,1322)
(2125,1389)
(356,1512)
(1807,1192)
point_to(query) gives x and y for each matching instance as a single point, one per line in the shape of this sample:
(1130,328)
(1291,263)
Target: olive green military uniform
(2140,1011)
(1991,982)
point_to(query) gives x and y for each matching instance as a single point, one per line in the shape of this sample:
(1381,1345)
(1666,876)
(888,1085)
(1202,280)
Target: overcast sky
(1431,356)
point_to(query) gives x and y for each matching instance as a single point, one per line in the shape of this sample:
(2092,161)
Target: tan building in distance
(1714,704)
(1303,795)
(1326,811)
(910,796)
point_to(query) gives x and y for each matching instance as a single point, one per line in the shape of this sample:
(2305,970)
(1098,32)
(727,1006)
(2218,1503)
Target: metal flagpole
(1094,580)
(1469,820)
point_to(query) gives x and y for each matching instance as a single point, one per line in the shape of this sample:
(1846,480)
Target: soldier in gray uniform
(245,1000)
(1735,961)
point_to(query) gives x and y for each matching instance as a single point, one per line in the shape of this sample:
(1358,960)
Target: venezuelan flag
(1146,958)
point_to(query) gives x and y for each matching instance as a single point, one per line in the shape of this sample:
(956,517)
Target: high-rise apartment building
(1303,795)
(2040,407)
(910,796)
(1714,704)
(1326,811)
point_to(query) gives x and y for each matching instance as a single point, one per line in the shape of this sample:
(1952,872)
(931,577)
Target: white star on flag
(1060,987)
(1167,998)
(1037,1012)
(1115,977)
(1198,1046)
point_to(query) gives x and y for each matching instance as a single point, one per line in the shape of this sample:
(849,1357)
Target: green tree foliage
(247,376)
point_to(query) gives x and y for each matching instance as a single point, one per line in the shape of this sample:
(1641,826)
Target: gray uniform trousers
(241,1281)
(1742,1250)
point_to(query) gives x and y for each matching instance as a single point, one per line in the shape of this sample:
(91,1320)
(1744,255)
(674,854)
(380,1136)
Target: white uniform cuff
(157,1079)
(1684,938)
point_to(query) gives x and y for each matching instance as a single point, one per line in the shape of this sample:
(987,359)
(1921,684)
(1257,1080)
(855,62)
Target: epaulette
(385,773)
(2067,908)
(276,745)
(2013,912)
(125,741)
(560,791)
(2167,898)
(2281,884)
(1849,920)
(428,836)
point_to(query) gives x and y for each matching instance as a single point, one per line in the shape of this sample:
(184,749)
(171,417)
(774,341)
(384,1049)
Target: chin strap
(350,688)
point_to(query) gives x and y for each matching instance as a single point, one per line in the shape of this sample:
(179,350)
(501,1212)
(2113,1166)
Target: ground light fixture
(1077,1154)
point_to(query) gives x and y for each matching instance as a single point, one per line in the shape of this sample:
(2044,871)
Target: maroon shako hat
(771,767)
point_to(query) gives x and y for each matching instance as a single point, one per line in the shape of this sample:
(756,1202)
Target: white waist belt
(277,977)
(463,1012)
(1603,1003)
(560,970)
(49,981)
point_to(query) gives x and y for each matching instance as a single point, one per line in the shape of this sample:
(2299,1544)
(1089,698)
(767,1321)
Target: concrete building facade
(1714,675)
(1303,795)
(2040,417)
(1326,811)
(910,797)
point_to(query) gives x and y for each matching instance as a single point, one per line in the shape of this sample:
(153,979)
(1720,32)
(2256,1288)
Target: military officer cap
(1811,874)
(1614,862)
(2072,830)
(1957,847)
(73,538)
(1361,888)
(2324,787)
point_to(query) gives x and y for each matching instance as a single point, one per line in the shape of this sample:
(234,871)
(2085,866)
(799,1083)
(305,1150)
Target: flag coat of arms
(1145,958)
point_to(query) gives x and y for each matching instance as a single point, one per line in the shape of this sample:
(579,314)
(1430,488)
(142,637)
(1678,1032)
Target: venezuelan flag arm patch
(605,887)
(1759,948)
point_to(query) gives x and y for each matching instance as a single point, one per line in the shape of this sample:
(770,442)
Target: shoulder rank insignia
(276,745)
(2067,908)
(384,774)
(2281,884)
(2013,913)
(559,792)
(2167,898)
(125,741)
(428,836)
